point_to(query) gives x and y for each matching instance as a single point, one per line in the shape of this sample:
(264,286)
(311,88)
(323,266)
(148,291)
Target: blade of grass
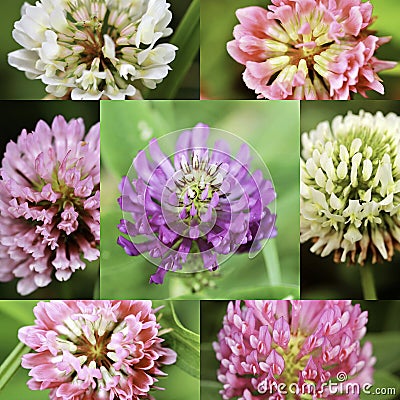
(187,39)
(12,363)
(271,259)
(185,342)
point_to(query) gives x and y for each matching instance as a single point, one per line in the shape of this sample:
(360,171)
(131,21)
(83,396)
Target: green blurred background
(270,127)
(321,278)
(221,76)
(382,330)
(16,86)
(25,115)
(15,314)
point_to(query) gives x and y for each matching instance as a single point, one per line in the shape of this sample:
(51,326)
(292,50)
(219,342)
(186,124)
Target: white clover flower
(92,49)
(350,187)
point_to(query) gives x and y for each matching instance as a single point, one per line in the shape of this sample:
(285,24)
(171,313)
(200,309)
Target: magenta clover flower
(203,204)
(266,347)
(49,203)
(94,350)
(309,49)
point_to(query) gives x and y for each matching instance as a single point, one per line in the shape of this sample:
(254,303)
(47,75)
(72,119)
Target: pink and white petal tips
(265,346)
(95,350)
(309,50)
(49,203)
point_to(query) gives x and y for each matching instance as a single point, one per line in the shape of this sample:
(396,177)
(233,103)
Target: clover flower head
(267,345)
(202,204)
(95,350)
(350,185)
(309,50)
(49,203)
(92,49)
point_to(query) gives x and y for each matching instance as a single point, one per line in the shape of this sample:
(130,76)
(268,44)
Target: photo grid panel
(227,227)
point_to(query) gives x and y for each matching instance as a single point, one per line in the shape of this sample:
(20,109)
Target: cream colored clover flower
(89,49)
(350,187)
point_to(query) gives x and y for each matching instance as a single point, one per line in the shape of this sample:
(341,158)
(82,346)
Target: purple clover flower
(49,203)
(202,204)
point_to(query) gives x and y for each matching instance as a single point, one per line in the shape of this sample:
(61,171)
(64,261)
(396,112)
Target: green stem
(187,39)
(368,283)
(270,253)
(96,290)
(11,364)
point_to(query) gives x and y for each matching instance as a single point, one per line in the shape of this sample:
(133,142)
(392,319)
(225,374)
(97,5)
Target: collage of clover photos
(200,200)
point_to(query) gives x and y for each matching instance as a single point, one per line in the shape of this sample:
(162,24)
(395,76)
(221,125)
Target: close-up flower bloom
(49,203)
(309,50)
(195,206)
(92,49)
(350,185)
(95,350)
(268,349)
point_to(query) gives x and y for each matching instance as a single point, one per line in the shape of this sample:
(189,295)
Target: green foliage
(384,344)
(120,128)
(18,311)
(386,387)
(11,364)
(185,342)
(13,315)
(272,262)
(187,39)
